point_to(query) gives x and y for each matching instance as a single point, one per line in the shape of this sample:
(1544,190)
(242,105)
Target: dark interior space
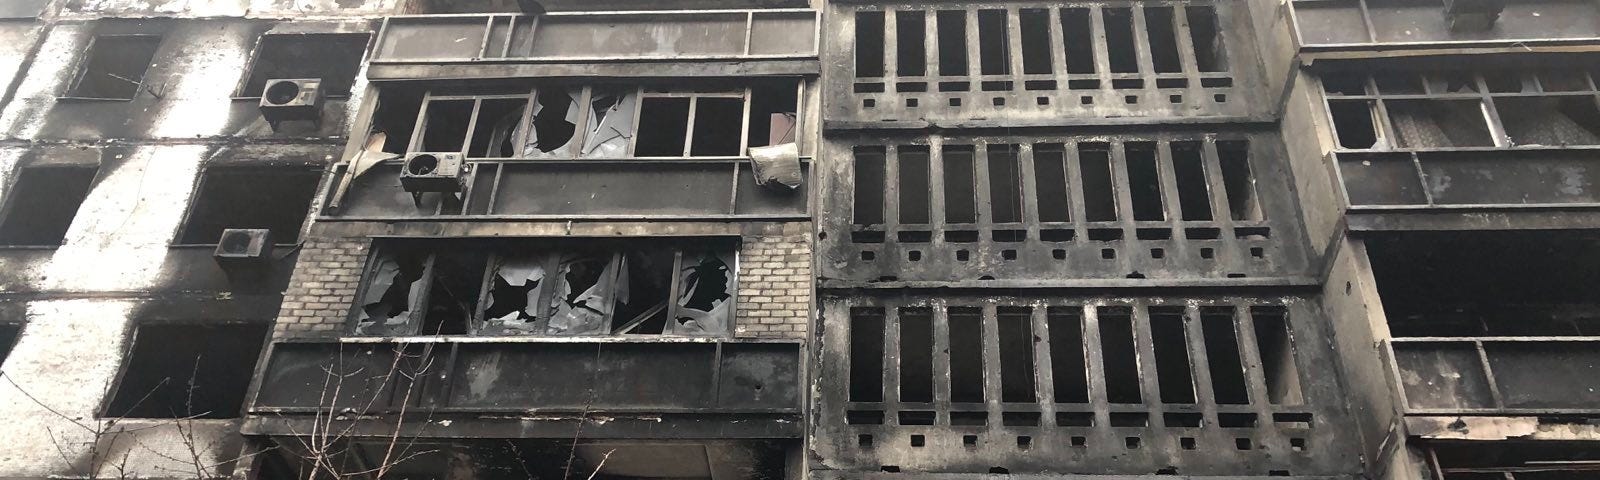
(1070,376)
(334,58)
(8,339)
(114,67)
(915,193)
(198,370)
(1078,34)
(869,185)
(1119,354)
(1050,183)
(718,124)
(966,354)
(276,198)
(994,50)
(42,202)
(911,54)
(1015,327)
(1005,184)
(960,196)
(1221,332)
(521,459)
(1035,26)
(916,354)
(669,117)
(869,44)
(952,42)
(866,354)
(1170,341)
(1516,460)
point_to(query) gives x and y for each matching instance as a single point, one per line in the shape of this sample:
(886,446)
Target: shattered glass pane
(704,300)
(387,302)
(610,124)
(514,295)
(453,294)
(588,284)
(649,280)
(555,121)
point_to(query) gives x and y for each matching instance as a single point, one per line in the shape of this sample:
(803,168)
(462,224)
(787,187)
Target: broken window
(438,288)
(333,58)
(114,67)
(275,198)
(1460,108)
(42,202)
(187,370)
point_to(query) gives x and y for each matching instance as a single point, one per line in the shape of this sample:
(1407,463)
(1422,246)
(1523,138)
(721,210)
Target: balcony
(1498,375)
(1335,25)
(664,43)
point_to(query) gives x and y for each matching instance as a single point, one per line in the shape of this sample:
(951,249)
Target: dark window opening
(1398,83)
(42,202)
(960,198)
(1353,122)
(396,117)
(667,117)
(717,124)
(910,53)
(1120,49)
(1119,353)
(1078,35)
(1099,188)
(994,48)
(916,354)
(1439,123)
(773,112)
(1206,35)
(869,44)
(1050,177)
(1344,83)
(1171,345)
(273,198)
(1016,354)
(552,128)
(1222,355)
(952,42)
(9,333)
(1159,25)
(187,371)
(494,135)
(1275,346)
(866,354)
(114,67)
(1035,25)
(914,186)
(869,185)
(1005,184)
(453,293)
(334,58)
(1068,366)
(445,128)
(1144,182)
(1553,121)
(966,354)
(1238,181)
(1194,192)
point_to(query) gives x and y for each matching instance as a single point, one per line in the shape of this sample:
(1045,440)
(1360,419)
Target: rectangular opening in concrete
(916,354)
(1034,24)
(276,198)
(1005,183)
(1220,330)
(1159,26)
(952,42)
(966,354)
(960,198)
(41,203)
(1238,180)
(1068,367)
(114,67)
(1121,52)
(1050,183)
(866,354)
(869,185)
(914,186)
(994,48)
(9,332)
(1016,354)
(1353,123)
(333,58)
(1171,344)
(1194,192)
(869,43)
(188,370)
(1205,34)
(1099,188)
(911,54)
(1119,354)
(1078,32)
(1144,181)
(453,292)
(1275,347)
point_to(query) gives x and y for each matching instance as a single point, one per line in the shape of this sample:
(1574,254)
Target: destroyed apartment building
(800,239)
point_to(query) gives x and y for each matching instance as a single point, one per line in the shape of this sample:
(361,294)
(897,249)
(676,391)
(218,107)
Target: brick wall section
(775,284)
(323,287)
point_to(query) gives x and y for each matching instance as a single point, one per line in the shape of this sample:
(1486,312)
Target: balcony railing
(379,376)
(1497,375)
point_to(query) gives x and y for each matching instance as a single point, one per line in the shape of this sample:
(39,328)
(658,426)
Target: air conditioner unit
(433,172)
(1472,15)
(240,247)
(292,99)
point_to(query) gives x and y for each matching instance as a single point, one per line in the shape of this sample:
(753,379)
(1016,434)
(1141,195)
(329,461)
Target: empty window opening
(1238,181)
(869,44)
(717,125)
(444,128)
(514,293)
(272,198)
(917,417)
(1144,181)
(1005,184)
(42,202)
(394,280)
(1119,354)
(1182,419)
(1236,420)
(1035,25)
(1343,83)
(1194,192)
(866,354)
(1210,55)
(187,371)
(1074,419)
(969,419)
(1158,22)
(869,180)
(1222,355)
(453,293)
(1171,345)
(333,58)
(774,108)
(960,201)
(1016,354)
(1275,345)
(863,417)
(1067,364)
(1099,188)
(114,67)
(1078,36)
(1120,50)
(1050,177)
(1552,121)
(495,131)
(1354,124)
(914,186)
(554,122)
(916,354)
(966,354)
(952,42)
(9,333)
(994,49)
(910,51)
(668,118)
(1439,123)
